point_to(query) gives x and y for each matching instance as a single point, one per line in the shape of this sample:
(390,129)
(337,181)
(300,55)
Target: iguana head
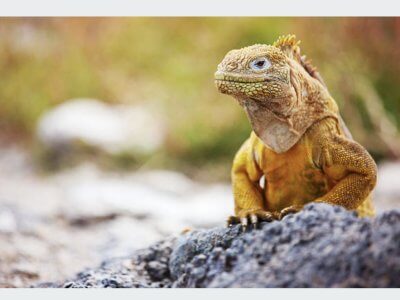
(281,92)
(258,72)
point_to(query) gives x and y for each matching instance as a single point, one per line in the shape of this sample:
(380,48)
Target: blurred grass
(169,64)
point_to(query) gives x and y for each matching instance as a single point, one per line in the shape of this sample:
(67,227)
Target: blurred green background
(169,63)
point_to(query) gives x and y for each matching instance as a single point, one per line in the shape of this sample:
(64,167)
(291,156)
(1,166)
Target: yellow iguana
(300,145)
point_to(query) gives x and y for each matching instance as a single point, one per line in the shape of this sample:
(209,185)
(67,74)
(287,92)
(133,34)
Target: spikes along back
(290,46)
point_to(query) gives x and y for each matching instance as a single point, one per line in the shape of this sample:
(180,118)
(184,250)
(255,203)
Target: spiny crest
(289,45)
(306,63)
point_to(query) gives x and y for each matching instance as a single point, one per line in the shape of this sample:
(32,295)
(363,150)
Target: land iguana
(300,150)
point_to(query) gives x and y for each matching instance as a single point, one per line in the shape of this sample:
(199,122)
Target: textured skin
(299,146)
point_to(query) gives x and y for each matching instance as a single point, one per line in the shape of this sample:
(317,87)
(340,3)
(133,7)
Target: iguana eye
(260,64)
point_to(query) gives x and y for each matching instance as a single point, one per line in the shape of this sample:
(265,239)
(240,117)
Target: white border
(201,294)
(199,8)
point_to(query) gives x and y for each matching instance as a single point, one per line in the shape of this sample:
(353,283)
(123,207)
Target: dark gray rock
(322,246)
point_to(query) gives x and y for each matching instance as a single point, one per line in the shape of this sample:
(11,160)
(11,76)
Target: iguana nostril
(232,66)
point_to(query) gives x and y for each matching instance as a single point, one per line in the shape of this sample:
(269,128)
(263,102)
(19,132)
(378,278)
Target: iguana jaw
(263,87)
(240,78)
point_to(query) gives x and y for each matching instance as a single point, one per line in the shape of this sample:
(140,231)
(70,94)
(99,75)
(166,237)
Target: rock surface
(322,246)
(53,226)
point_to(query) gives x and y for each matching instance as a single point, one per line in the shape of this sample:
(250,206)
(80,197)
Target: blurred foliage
(169,64)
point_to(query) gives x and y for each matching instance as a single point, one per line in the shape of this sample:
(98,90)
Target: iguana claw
(254,217)
(289,210)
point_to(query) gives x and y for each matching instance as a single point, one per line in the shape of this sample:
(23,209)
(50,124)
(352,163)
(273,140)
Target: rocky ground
(322,246)
(53,226)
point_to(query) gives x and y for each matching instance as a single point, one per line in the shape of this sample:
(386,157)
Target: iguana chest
(290,177)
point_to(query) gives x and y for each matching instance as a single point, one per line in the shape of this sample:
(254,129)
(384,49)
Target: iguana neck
(282,131)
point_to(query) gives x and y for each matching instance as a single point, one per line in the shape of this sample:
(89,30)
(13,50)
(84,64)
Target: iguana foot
(252,216)
(289,210)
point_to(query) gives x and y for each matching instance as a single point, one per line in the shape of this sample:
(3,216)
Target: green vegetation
(168,63)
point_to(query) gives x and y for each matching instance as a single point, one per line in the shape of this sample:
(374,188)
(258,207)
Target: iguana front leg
(249,202)
(351,166)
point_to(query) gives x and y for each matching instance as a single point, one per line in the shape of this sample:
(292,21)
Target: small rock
(8,223)
(387,191)
(111,128)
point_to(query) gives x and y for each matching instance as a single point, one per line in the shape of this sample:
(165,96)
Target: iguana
(299,145)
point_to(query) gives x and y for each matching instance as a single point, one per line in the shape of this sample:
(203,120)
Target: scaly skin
(300,146)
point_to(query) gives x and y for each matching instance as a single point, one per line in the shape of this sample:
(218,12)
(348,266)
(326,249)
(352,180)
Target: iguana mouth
(229,77)
(238,81)
(224,77)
